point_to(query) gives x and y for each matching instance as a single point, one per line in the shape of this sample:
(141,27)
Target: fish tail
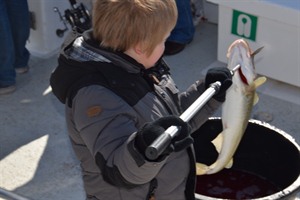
(224,160)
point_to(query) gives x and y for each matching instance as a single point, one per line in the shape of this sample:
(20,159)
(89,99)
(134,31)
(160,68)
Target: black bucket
(266,164)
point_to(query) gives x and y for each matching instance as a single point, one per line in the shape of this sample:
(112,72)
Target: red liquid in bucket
(234,184)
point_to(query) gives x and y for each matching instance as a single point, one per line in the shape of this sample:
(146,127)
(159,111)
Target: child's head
(122,24)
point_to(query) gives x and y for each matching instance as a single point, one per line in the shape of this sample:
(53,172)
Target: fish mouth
(240,53)
(240,44)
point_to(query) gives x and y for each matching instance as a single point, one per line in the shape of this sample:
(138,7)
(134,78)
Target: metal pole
(162,142)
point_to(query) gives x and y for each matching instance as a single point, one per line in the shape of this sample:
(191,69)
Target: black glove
(150,131)
(223,75)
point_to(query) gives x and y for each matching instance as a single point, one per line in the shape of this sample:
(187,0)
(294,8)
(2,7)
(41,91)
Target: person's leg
(20,25)
(7,71)
(184,30)
(183,33)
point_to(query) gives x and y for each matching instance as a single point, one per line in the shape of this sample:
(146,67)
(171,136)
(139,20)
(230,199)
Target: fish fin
(201,169)
(259,81)
(256,51)
(217,142)
(229,165)
(255,99)
(212,168)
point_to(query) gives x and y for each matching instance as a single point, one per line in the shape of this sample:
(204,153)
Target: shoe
(172,48)
(7,89)
(22,70)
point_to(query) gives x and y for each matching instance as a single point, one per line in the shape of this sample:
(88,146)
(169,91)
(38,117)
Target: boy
(120,97)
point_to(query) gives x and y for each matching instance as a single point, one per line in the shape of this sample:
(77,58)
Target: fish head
(240,53)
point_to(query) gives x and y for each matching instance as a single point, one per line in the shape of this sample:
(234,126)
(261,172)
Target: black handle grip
(158,146)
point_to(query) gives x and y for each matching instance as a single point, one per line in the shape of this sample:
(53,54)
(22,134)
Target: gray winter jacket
(102,124)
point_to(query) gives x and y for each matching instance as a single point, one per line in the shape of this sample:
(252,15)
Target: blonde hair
(122,24)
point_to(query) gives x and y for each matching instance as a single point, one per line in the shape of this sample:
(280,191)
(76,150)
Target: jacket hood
(81,57)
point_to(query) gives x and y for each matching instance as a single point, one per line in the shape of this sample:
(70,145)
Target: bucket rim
(288,191)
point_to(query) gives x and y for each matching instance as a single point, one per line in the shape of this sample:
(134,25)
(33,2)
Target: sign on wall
(244,25)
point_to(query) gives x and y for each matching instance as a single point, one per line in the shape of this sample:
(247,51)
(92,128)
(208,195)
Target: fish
(237,108)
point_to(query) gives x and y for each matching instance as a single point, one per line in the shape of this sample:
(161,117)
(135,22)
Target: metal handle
(163,141)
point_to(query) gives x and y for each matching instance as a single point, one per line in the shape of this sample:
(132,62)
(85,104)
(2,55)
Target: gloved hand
(223,75)
(150,131)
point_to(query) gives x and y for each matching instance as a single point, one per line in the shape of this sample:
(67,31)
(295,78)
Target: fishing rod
(77,16)
(154,150)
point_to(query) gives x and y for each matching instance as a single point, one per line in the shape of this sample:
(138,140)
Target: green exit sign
(244,25)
